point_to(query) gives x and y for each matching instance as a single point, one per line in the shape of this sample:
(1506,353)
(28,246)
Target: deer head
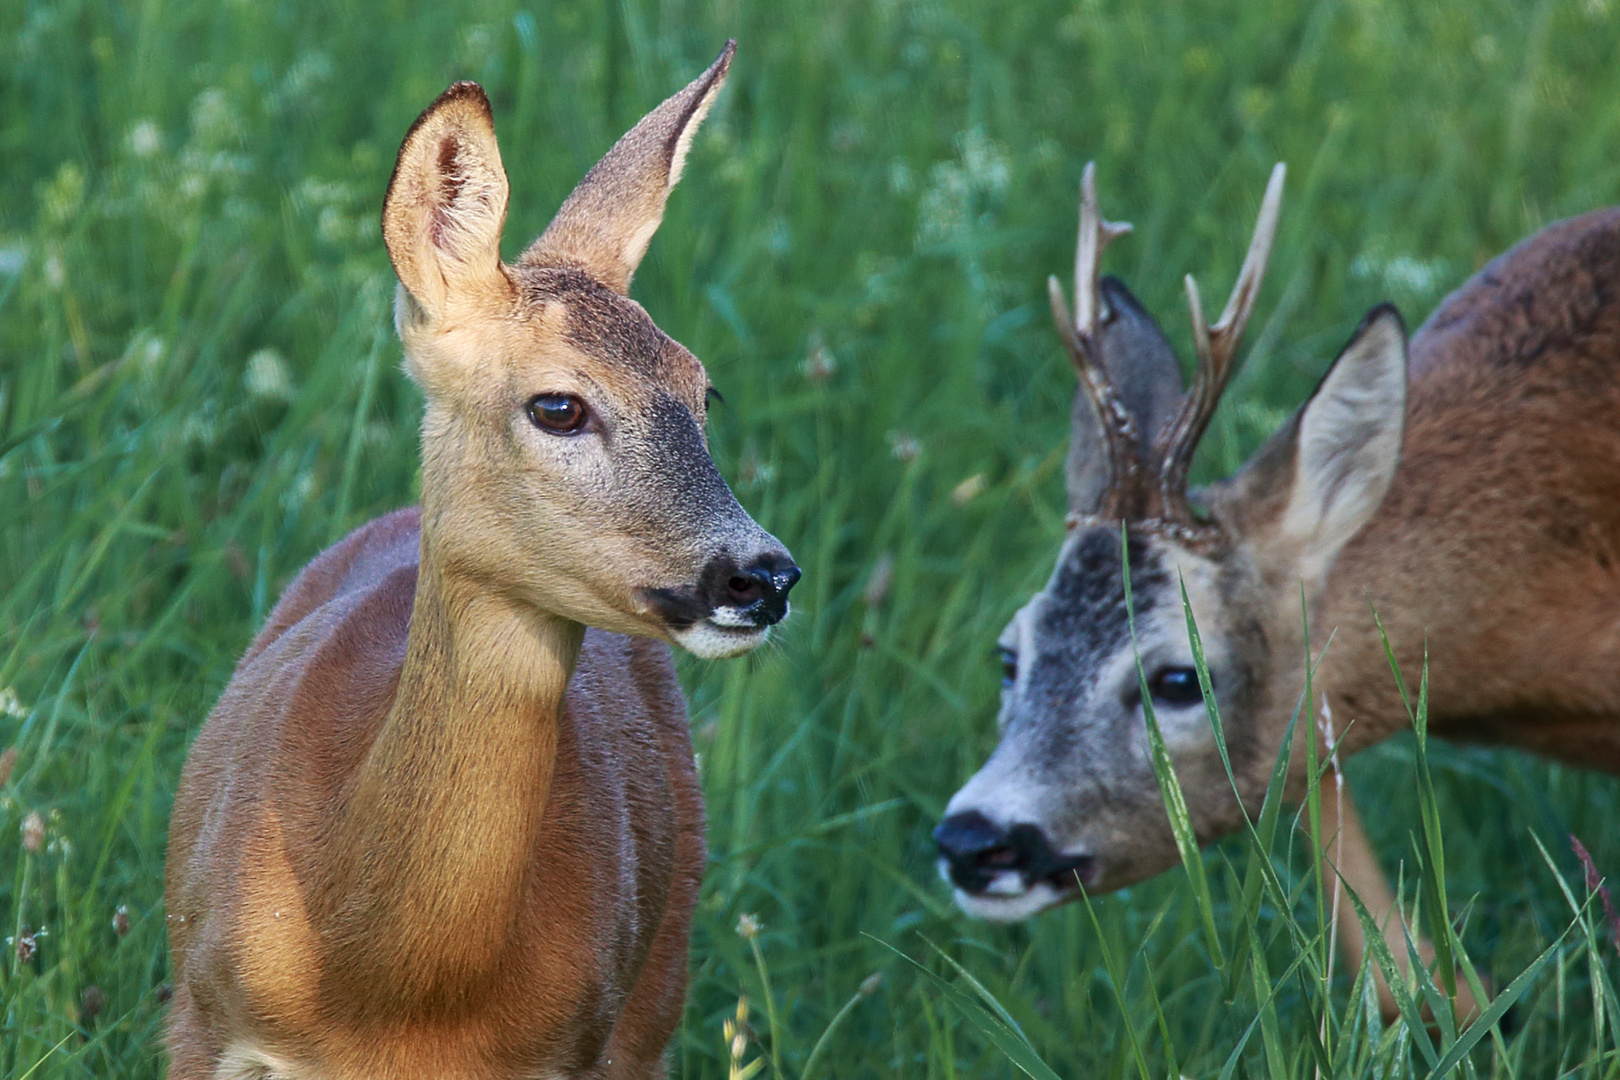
(1069,798)
(564,457)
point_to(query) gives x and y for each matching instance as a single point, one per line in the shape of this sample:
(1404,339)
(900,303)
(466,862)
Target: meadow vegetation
(200,388)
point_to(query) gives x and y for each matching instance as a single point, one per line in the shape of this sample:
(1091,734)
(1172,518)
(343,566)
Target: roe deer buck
(1492,539)
(435,827)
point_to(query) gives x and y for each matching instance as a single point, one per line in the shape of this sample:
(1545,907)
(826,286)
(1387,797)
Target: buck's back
(1548,307)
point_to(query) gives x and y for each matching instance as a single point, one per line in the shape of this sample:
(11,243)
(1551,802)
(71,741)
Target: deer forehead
(1083,621)
(606,336)
(559,332)
(1083,614)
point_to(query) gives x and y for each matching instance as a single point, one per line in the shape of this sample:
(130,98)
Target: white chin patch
(1004,908)
(731,619)
(714,640)
(1006,899)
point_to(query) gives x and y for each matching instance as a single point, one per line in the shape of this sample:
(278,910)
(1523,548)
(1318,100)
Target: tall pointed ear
(1338,455)
(1142,367)
(606,224)
(446,203)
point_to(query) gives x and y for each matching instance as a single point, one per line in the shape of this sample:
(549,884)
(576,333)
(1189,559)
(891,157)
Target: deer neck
(1356,696)
(1351,699)
(441,820)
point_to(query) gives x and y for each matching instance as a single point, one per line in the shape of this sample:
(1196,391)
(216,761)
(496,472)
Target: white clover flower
(144,139)
(268,377)
(214,121)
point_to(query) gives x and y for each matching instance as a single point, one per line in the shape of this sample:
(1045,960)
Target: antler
(1095,236)
(1217,352)
(1079,333)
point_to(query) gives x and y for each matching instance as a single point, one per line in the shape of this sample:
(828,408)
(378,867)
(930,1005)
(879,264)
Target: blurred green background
(200,388)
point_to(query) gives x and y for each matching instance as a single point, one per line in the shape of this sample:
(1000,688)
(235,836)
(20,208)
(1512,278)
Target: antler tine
(1241,303)
(1079,332)
(1119,436)
(1095,236)
(1217,347)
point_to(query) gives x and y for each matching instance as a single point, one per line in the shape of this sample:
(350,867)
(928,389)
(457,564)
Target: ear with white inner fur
(606,224)
(1347,443)
(446,204)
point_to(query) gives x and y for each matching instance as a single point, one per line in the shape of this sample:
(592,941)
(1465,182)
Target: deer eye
(1009,667)
(1176,686)
(562,414)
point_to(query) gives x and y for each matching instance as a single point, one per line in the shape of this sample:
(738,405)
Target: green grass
(199,389)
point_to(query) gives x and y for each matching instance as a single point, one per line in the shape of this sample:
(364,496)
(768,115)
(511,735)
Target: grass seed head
(33,832)
(877,583)
(968,489)
(90,1003)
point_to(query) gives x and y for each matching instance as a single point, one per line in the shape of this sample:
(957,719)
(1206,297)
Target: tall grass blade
(1175,801)
(1004,1037)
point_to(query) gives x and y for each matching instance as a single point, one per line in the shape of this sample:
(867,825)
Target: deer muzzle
(733,604)
(1007,873)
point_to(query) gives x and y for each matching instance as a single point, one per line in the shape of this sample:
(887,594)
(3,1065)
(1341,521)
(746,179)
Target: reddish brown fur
(1499,541)
(1496,550)
(597,947)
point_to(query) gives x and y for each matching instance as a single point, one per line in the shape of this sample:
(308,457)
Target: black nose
(761,587)
(976,850)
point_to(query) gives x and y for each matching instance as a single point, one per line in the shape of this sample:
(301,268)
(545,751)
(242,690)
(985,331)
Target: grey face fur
(1073,762)
(1069,798)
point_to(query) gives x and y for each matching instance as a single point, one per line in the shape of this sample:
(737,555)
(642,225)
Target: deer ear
(1339,453)
(1143,369)
(446,204)
(606,224)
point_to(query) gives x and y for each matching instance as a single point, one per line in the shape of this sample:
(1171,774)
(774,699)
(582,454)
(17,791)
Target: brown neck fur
(441,818)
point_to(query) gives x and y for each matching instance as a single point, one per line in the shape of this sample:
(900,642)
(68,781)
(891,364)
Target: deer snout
(984,859)
(754,593)
(732,605)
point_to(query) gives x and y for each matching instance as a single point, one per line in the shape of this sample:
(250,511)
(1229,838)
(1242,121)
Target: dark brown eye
(1176,686)
(562,414)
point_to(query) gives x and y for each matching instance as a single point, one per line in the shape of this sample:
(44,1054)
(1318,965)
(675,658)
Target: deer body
(1498,544)
(1473,495)
(435,826)
(537,905)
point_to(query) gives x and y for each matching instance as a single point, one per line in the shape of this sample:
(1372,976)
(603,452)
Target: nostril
(767,579)
(975,850)
(968,836)
(747,587)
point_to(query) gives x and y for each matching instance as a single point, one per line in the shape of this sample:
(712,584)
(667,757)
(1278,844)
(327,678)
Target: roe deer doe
(435,827)
(1491,538)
